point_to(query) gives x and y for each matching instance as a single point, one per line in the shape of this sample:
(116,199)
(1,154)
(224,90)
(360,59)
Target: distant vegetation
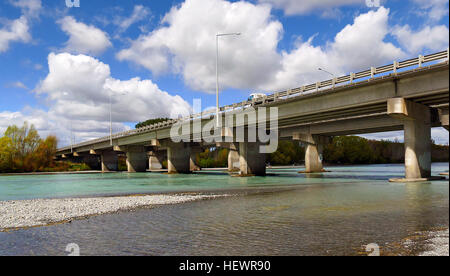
(151,122)
(342,150)
(23,150)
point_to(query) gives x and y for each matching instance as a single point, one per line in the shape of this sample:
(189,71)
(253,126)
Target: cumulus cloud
(78,89)
(291,7)
(84,39)
(185,44)
(18,30)
(428,38)
(139,13)
(356,47)
(14,31)
(30,8)
(434,10)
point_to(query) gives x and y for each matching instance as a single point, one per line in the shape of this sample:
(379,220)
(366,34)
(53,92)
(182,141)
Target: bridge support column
(155,160)
(233,158)
(314,151)
(136,159)
(251,161)
(417,128)
(110,161)
(193,160)
(179,156)
(443,117)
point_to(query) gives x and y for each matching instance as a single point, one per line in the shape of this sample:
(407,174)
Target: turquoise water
(336,213)
(52,186)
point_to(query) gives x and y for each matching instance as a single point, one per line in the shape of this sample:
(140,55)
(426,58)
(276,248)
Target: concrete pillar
(110,161)
(443,117)
(154,163)
(136,159)
(313,158)
(193,162)
(251,161)
(314,150)
(233,160)
(417,127)
(179,156)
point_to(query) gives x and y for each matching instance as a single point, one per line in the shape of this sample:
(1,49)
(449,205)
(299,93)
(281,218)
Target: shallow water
(332,214)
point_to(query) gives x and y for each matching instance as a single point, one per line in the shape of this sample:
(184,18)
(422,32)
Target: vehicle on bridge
(256,96)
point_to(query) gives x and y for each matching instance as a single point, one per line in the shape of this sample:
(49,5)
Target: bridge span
(411,95)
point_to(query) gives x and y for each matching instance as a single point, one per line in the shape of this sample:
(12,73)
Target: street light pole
(323,70)
(110,119)
(217,74)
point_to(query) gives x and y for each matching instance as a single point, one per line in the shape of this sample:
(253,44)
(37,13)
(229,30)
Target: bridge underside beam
(417,127)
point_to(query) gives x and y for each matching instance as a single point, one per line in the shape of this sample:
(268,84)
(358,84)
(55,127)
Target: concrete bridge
(411,95)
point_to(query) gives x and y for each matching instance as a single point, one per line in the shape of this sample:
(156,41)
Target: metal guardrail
(349,79)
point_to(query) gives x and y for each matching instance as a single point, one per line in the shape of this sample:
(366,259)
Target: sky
(61,64)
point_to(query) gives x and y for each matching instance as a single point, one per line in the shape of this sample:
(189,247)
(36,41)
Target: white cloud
(428,38)
(291,7)
(84,39)
(30,8)
(19,84)
(356,47)
(14,31)
(139,13)
(77,90)
(185,44)
(434,10)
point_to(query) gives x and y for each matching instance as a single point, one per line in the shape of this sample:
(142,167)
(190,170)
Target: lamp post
(110,115)
(217,73)
(66,94)
(323,70)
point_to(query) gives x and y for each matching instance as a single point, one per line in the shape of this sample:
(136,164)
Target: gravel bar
(40,212)
(437,244)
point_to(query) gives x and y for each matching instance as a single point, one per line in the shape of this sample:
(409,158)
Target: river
(285,213)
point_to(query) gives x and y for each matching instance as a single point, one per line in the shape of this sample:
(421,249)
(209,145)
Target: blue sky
(59,64)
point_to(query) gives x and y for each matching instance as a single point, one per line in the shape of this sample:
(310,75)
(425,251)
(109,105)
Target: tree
(151,122)
(22,150)
(6,159)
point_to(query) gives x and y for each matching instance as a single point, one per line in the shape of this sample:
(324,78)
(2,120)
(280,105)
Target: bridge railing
(299,91)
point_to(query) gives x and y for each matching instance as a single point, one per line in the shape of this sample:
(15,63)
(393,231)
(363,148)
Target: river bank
(21,214)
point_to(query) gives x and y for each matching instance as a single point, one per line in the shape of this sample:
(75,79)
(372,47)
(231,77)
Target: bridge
(411,95)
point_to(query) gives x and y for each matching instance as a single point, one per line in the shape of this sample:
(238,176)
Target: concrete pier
(156,159)
(109,160)
(193,160)
(233,160)
(443,117)
(136,159)
(179,156)
(251,161)
(416,119)
(314,151)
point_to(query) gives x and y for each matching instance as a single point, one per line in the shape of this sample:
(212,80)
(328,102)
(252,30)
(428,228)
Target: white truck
(256,96)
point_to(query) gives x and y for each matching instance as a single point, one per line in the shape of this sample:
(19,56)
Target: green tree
(151,122)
